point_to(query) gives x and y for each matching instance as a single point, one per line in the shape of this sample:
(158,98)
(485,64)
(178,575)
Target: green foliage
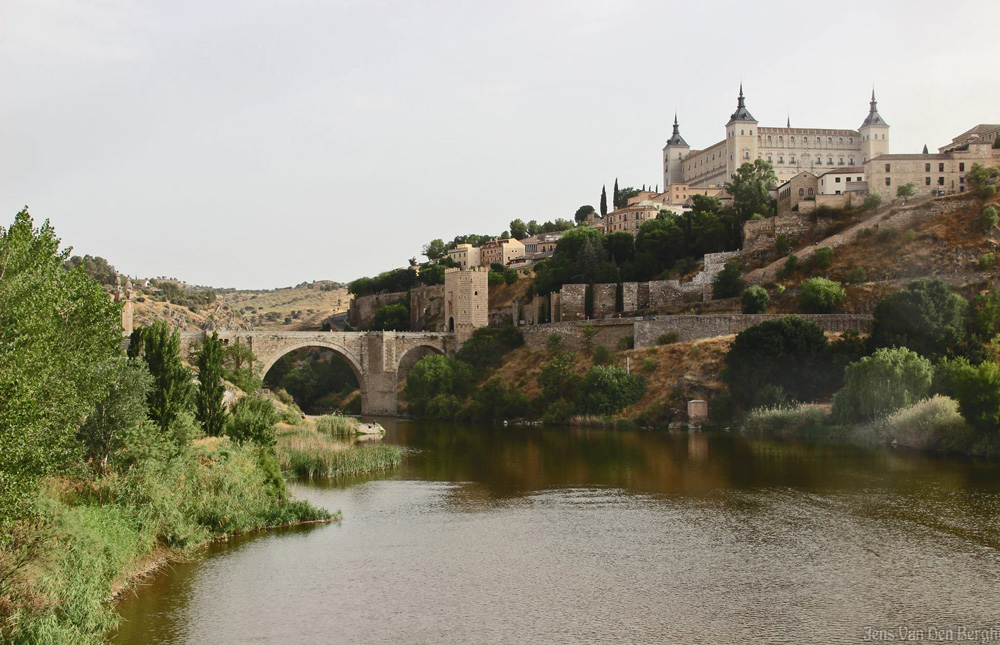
(878,385)
(252,420)
(392,317)
(434,250)
(925,317)
(589,333)
(494,278)
(906,191)
(988,220)
(626,343)
(391,281)
(982,180)
(987,261)
(160,348)
(604,201)
(336,425)
(750,187)
(791,264)
(977,389)
(857,275)
(820,296)
(553,343)
(909,235)
(667,338)
(107,431)
(311,374)
(495,401)
(309,461)
(620,246)
(986,314)
(872,202)
(238,366)
(510,276)
(729,283)
(786,352)
(58,332)
(487,346)
(583,212)
(782,244)
(785,421)
(518,229)
(432,384)
(602,355)
(96,267)
(208,399)
(648,364)
(755,300)
(606,390)
(820,260)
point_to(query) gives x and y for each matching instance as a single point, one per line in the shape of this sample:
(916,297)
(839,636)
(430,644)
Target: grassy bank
(99,533)
(307,451)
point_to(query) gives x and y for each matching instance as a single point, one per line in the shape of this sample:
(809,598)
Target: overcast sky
(263,143)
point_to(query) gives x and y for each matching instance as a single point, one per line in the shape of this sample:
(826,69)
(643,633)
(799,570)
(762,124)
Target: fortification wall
(362,310)
(647,332)
(609,332)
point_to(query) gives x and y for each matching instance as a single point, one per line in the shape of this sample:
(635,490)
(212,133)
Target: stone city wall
(608,333)
(647,332)
(362,310)
(572,301)
(427,308)
(604,300)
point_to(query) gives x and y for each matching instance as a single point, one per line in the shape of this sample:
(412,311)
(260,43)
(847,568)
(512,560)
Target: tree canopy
(750,187)
(925,317)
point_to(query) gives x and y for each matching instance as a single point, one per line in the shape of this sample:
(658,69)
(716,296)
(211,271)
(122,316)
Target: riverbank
(318,447)
(97,535)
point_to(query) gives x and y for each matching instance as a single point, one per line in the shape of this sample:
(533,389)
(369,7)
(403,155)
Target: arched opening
(319,379)
(451,325)
(406,363)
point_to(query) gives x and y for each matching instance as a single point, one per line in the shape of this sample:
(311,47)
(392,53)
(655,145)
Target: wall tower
(741,137)
(674,154)
(874,133)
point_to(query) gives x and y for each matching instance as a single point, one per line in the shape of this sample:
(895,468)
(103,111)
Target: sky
(264,143)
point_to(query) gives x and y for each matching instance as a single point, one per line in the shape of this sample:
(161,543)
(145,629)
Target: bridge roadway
(378,359)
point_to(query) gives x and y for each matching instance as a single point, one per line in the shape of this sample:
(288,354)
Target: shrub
(336,425)
(787,352)
(989,218)
(557,378)
(791,264)
(755,300)
(728,284)
(626,343)
(820,296)
(602,355)
(987,261)
(977,389)
(648,364)
(931,424)
(559,413)
(820,260)
(872,202)
(605,390)
(925,317)
(252,419)
(909,235)
(494,401)
(433,376)
(510,276)
(487,346)
(667,338)
(392,317)
(785,422)
(291,416)
(856,275)
(880,384)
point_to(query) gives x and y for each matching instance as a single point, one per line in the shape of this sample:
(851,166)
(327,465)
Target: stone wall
(760,237)
(362,310)
(647,332)
(572,302)
(630,297)
(609,332)
(605,296)
(427,308)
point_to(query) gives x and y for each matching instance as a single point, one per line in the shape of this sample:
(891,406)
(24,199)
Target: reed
(336,425)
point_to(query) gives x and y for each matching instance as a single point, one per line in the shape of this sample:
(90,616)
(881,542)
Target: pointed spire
(925,149)
(676,139)
(873,117)
(788,121)
(741,113)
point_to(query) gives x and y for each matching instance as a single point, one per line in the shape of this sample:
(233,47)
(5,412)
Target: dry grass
(314,304)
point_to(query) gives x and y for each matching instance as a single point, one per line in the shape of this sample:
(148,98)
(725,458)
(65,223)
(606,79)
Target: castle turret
(874,133)
(741,137)
(674,154)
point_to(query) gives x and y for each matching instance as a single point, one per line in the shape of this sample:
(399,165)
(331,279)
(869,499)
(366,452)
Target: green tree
(872,202)
(606,390)
(583,213)
(977,390)
(925,317)
(820,296)
(604,201)
(392,317)
(729,282)
(208,399)
(252,420)
(435,249)
(989,218)
(238,366)
(620,246)
(982,180)
(109,427)
(878,385)
(58,331)
(906,191)
(788,353)
(518,229)
(557,378)
(750,187)
(160,348)
(617,195)
(755,300)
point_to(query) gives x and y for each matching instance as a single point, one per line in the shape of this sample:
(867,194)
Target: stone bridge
(379,359)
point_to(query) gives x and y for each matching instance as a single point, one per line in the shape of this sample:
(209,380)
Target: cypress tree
(604,201)
(161,349)
(208,400)
(617,196)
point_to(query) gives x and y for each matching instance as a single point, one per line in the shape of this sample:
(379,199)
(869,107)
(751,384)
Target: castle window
(818,140)
(751,133)
(801,192)
(829,161)
(781,160)
(810,192)
(768,158)
(887,167)
(792,159)
(852,161)
(742,133)
(768,139)
(888,181)
(837,179)
(851,140)
(927,180)
(961,179)
(940,167)
(829,141)
(781,140)
(840,140)
(848,180)
(940,181)
(746,153)
(927,167)
(961,167)
(791,140)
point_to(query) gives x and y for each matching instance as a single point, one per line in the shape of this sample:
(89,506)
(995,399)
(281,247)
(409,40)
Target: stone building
(502,251)
(790,150)
(466,300)
(127,299)
(465,255)
(943,172)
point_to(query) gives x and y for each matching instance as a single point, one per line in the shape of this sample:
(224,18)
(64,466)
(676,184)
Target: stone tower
(741,137)
(127,300)
(466,301)
(674,154)
(874,133)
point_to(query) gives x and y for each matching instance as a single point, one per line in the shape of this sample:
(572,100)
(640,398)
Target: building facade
(502,251)
(790,150)
(941,173)
(465,255)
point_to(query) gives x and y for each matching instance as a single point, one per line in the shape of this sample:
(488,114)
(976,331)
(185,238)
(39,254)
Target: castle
(789,150)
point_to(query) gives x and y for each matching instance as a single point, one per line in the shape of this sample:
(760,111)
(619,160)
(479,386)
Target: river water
(531,535)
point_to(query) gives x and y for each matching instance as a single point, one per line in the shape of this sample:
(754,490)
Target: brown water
(501,535)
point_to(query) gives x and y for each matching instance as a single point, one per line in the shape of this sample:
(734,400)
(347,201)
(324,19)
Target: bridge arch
(413,354)
(352,361)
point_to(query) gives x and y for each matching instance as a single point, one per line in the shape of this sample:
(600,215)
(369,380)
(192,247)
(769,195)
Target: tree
(787,353)
(583,213)
(435,249)
(557,378)
(982,180)
(518,229)
(58,332)
(977,390)
(750,187)
(925,317)
(626,194)
(106,431)
(620,246)
(605,390)
(820,296)
(604,201)
(238,366)
(392,317)
(616,196)
(878,385)
(872,202)
(728,283)
(989,218)
(208,399)
(906,191)
(252,420)
(755,300)
(160,348)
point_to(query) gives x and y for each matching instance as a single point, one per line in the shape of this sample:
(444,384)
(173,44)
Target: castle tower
(741,137)
(874,133)
(674,154)
(466,301)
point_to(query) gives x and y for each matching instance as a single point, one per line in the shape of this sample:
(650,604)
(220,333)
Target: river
(539,535)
